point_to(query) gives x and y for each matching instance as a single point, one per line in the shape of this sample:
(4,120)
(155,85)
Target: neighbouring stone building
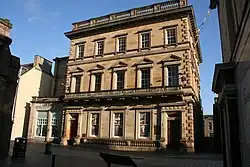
(35,80)
(9,67)
(231,81)
(208,126)
(132,78)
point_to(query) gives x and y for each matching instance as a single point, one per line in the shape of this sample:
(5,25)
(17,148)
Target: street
(85,157)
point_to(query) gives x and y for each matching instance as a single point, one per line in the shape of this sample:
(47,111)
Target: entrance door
(174,133)
(73,126)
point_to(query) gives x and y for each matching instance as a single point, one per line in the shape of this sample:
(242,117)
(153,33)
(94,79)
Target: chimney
(5,27)
(183,3)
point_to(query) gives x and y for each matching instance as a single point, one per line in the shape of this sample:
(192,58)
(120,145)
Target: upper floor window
(145,40)
(144,124)
(98,81)
(76,83)
(120,80)
(171,36)
(80,51)
(118,124)
(122,44)
(173,75)
(145,78)
(100,47)
(210,126)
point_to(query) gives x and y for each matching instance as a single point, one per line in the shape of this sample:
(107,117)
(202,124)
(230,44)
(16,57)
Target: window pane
(173,75)
(145,124)
(98,80)
(145,78)
(95,124)
(100,47)
(118,124)
(145,40)
(55,124)
(122,44)
(41,125)
(171,36)
(80,51)
(78,84)
(120,79)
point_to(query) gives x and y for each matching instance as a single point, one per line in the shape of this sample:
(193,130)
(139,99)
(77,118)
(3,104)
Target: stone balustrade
(155,8)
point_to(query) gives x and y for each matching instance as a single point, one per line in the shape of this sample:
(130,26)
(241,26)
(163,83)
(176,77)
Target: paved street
(83,157)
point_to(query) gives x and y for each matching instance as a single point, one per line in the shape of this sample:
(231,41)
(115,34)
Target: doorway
(73,126)
(174,132)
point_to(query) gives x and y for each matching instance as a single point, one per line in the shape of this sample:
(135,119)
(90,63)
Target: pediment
(119,64)
(143,61)
(97,67)
(172,57)
(76,70)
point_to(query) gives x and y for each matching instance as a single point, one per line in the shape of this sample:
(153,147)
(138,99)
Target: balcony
(132,13)
(126,93)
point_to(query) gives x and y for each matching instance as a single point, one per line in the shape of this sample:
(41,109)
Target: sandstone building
(132,78)
(9,67)
(35,80)
(208,126)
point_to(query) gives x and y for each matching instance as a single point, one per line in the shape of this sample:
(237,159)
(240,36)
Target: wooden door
(174,133)
(73,126)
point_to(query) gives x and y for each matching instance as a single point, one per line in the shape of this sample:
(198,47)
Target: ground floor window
(145,124)
(118,124)
(94,124)
(42,122)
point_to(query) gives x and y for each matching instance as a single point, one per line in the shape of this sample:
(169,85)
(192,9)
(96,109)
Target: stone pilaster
(164,137)
(49,126)
(190,128)
(66,130)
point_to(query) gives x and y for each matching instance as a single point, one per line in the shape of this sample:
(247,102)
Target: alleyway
(82,157)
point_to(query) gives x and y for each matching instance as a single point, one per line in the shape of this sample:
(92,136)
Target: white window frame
(78,50)
(118,44)
(122,124)
(139,127)
(167,37)
(97,47)
(149,39)
(90,130)
(42,124)
(150,75)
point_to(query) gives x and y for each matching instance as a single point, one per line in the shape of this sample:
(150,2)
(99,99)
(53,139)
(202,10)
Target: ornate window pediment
(144,61)
(76,70)
(97,67)
(170,58)
(118,65)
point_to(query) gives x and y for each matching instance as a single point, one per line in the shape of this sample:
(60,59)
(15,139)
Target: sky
(39,27)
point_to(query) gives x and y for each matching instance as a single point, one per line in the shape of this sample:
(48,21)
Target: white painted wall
(32,83)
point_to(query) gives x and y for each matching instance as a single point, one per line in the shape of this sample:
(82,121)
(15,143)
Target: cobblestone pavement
(83,157)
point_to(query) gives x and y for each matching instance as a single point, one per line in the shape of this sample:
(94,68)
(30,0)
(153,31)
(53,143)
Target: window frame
(77,85)
(148,41)
(148,124)
(124,44)
(121,125)
(122,86)
(166,30)
(97,125)
(146,79)
(78,51)
(171,77)
(99,84)
(97,47)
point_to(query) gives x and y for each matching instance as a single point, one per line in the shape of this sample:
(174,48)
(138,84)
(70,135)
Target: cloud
(31,19)
(32,6)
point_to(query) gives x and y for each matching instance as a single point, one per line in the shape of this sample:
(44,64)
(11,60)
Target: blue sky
(39,26)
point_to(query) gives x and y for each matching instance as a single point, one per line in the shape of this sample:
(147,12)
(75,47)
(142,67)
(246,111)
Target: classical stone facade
(133,79)
(208,126)
(9,67)
(231,82)
(134,75)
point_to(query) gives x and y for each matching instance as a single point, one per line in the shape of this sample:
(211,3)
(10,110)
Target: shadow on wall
(45,88)
(26,120)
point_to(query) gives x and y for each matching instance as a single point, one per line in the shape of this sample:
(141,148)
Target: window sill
(142,49)
(98,56)
(173,44)
(79,58)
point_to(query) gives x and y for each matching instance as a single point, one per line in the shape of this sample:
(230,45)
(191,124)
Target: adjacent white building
(35,80)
